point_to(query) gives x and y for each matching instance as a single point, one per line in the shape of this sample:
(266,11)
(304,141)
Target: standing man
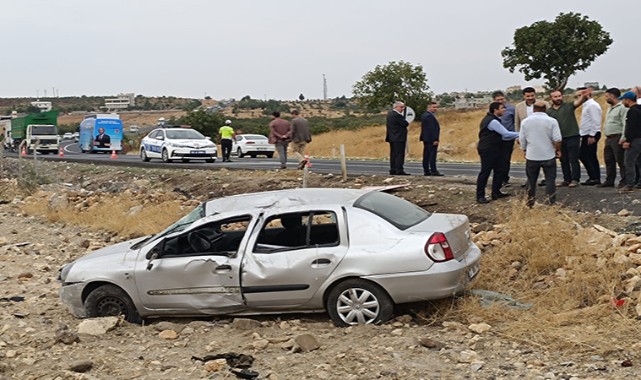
(540,139)
(570,146)
(526,108)
(508,145)
(396,136)
(227,135)
(102,140)
(632,133)
(430,136)
(590,131)
(491,136)
(301,136)
(279,135)
(613,152)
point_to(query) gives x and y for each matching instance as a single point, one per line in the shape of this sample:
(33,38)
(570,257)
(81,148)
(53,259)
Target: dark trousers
(613,154)
(429,157)
(631,156)
(570,158)
(507,147)
(396,157)
(532,169)
(491,161)
(588,157)
(225,145)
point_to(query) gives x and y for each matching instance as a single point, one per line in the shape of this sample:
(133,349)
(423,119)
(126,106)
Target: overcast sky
(277,49)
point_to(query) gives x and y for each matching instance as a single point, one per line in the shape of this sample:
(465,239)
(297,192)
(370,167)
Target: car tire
(356,301)
(269,155)
(210,160)
(240,153)
(143,155)
(165,156)
(111,301)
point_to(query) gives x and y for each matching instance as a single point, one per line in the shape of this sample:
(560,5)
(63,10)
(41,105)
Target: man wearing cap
(632,133)
(540,139)
(227,135)
(613,152)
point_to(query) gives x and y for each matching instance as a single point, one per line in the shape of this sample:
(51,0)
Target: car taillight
(438,249)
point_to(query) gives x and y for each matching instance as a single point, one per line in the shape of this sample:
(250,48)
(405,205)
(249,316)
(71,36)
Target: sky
(278,49)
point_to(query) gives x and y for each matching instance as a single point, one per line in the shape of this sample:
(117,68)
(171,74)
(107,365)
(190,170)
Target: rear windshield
(43,130)
(399,212)
(255,137)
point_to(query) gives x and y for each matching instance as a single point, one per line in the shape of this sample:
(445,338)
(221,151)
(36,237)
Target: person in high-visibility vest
(227,135)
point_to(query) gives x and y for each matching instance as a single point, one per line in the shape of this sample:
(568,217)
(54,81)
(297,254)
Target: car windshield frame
(397,211)
(184,134)
(182,223)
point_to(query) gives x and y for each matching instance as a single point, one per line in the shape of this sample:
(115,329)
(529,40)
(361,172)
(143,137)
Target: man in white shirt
(540,139)
(590,131)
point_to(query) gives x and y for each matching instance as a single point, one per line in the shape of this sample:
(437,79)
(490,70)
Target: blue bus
(101,133)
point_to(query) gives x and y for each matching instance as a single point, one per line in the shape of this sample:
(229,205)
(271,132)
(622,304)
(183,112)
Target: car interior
(298,230)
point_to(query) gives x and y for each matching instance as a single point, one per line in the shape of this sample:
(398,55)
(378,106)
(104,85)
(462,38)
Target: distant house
(592,85)
(42,105)
(122,101)
(516,88)
(462,103)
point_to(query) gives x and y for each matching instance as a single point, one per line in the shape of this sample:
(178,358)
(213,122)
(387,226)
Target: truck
(37,131)
(101,133)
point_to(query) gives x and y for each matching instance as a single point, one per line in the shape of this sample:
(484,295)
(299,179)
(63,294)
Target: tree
(556,50)
(386,84)
(204,122)
(301,97)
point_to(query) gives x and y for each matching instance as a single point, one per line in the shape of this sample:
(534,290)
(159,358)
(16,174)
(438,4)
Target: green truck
(36,131)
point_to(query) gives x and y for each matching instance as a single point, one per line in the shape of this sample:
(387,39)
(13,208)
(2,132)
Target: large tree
(385,84)
(556,50)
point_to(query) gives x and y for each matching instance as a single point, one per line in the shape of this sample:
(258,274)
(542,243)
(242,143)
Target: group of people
(545,132)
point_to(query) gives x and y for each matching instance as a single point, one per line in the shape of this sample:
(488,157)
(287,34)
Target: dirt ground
(39,339)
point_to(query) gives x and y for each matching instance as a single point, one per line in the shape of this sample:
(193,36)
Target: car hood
(112,251)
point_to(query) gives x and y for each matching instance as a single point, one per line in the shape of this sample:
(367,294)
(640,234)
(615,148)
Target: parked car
(67,136)
(252,145)
(177,143)
(353,253)
(76,136)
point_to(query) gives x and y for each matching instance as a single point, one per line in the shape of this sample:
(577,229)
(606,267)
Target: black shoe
(605,184)
(500,195)
(482,201)
(392,172)
(542,183)
(403,173)
(438,174)
(591,182)
(427,174)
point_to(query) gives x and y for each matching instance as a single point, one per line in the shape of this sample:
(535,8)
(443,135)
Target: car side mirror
(160,138)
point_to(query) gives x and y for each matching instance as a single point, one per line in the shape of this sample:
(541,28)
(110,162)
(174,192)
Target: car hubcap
(357,306)
(111,307)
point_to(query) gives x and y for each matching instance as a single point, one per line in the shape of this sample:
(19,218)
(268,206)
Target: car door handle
(223,268)
(321,262)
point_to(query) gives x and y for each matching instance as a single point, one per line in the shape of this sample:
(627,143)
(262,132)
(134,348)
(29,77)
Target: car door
(151,144)
(197,269)
(236,142)
(287,271)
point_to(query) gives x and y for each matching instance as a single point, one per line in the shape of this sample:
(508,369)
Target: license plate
(473,271)
(262,148)
(197,152)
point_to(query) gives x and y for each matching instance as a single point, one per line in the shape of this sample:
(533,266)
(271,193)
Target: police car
(170,144)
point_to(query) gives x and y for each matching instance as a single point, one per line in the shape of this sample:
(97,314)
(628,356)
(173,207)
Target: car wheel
(111,301)
(210,160)
(269,155)
(143,155)
(165,156)
(355,302)
(240,153)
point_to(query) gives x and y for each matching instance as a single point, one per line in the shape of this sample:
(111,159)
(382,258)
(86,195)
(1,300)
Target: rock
(624,212)
(453,325)
(288,345)
(98,326)
(626,363)
(245,324)
(134,210)
(397,332)
(168,334)
(11,354)
(476,366)
(430,343)
(260,344)
(3,240)
(58,201)
(479,328)
(485,226)
(307,342)
(216,365)
(468,356)
(164,325)
(81,366)
(25,276)
(65,336)
(388,180)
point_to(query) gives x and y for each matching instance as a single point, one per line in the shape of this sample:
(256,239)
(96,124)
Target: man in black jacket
(430,136)
(632,133)
(396,136)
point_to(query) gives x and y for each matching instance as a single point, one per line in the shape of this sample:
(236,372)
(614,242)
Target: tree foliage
(204,122)
(385,84)
(556,50)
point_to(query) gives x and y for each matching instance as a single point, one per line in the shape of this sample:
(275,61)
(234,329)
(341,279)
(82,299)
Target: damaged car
(352,253)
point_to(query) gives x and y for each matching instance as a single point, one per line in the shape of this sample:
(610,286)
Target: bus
(101,133)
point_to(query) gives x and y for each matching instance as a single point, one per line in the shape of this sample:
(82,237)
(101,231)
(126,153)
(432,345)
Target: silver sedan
(352,253)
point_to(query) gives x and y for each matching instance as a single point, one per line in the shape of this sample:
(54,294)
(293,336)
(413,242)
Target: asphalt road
(354,167)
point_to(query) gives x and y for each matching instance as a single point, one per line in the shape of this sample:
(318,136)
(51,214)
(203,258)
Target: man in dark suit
(430,136)
(102,140)
(396,136)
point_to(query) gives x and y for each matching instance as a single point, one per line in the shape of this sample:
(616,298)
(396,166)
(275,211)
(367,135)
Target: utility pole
(324,87)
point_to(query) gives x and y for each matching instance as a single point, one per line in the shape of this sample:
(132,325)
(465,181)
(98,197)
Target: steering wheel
(199,241)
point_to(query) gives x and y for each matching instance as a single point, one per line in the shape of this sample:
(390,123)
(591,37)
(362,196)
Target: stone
(468,356)
(624,212)
(168,334)
(81,366)
(164,325)
(260,344)
(245,324)
(485,226)
(65,336)
(58,201)
(11,354)
(288,345)
(98,326)
(430,343)
(216,365)
(476,366)
(307,342)
(25,276)
(479,328)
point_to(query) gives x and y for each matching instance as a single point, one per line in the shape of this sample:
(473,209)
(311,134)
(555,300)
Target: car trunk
(455,227)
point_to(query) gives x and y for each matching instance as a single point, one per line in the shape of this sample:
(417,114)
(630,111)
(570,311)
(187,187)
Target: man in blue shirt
(491,136)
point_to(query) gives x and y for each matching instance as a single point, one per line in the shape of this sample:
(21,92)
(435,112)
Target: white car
(252,145)
(184,144)
(67,136)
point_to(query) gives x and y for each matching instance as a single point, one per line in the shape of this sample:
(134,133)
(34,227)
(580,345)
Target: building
(516,88)
(466,103)
(592,85)
(122,101)
(42,105)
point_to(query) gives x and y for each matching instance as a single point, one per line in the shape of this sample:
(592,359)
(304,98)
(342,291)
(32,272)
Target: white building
(43,106)
(122,101)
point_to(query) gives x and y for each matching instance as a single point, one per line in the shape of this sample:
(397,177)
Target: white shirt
(590,118)
(529,110)
(538,134)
